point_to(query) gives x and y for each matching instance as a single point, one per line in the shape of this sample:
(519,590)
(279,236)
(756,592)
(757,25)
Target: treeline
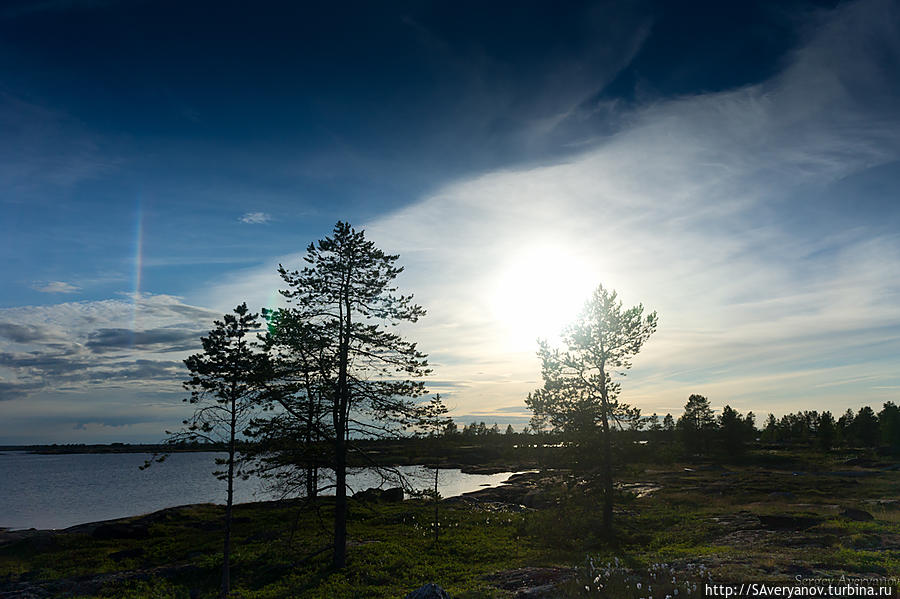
(480,429)
(865,428)
(65,448)
(700,431)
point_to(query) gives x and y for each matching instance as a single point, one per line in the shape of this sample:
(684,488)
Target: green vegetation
(391,550)
(776,515)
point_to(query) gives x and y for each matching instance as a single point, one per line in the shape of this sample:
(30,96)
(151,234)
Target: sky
(733,166)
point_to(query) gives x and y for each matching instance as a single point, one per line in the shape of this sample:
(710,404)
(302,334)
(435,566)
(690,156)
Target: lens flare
(138,267)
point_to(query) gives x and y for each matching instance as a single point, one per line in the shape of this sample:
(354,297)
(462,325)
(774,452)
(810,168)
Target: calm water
(57,491)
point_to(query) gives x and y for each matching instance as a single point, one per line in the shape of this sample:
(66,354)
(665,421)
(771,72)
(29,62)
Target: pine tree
(697,424)
(344,305)
(227,379)
(579,394)
(291,438)
(889,425)
(826,431)
(433,420)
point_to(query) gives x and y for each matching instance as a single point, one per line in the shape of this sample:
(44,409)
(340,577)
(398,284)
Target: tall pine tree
(227,380)
(343,308)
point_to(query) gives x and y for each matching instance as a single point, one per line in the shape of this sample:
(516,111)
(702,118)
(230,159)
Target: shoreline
(484,493)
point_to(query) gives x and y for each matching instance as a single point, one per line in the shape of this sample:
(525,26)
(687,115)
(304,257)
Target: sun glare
(538,292)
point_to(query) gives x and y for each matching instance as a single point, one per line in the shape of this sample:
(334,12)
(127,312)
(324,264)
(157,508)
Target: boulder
(857,515)
(394,494)
(370,494)
(428,591)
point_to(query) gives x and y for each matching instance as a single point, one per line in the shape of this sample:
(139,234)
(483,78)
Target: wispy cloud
(44,147)
(708,209)
(256,218)
(55,287)
(90,345)
(702,210)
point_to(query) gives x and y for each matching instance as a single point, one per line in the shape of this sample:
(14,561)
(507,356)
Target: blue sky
(734,166)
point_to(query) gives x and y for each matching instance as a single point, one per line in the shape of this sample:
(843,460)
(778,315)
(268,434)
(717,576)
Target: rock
(742,520)
(474,469)
(536,499)
(370,494)
(394,494)
(786,522)
(857,515)
(120,530)
(428,591)
(639,490)
(532,582)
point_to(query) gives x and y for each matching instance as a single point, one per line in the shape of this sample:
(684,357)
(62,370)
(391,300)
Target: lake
(58,491)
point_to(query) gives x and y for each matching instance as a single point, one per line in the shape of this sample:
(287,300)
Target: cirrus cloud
(255,218)
(55,287)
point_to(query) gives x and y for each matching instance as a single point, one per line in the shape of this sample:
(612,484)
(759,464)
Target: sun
(538,291)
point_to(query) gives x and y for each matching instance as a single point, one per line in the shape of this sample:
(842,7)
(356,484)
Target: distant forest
(698,431)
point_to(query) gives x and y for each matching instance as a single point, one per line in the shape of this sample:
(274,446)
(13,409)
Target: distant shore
(108,448)
(465,458)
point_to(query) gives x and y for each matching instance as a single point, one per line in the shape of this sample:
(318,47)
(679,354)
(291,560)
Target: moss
(706,515)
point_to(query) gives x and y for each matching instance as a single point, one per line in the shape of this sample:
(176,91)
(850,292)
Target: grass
(391,551)
(706,517)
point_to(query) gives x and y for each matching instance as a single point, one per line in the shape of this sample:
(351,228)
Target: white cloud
(255,218)
(695,211)
(56,287)
(699,210)
(100,344)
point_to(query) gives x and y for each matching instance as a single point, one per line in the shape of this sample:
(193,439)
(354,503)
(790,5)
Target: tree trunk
(607,454)
(607,476)
(340,416)
(436,504)
(226,553)
(311,446)
(340,505)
